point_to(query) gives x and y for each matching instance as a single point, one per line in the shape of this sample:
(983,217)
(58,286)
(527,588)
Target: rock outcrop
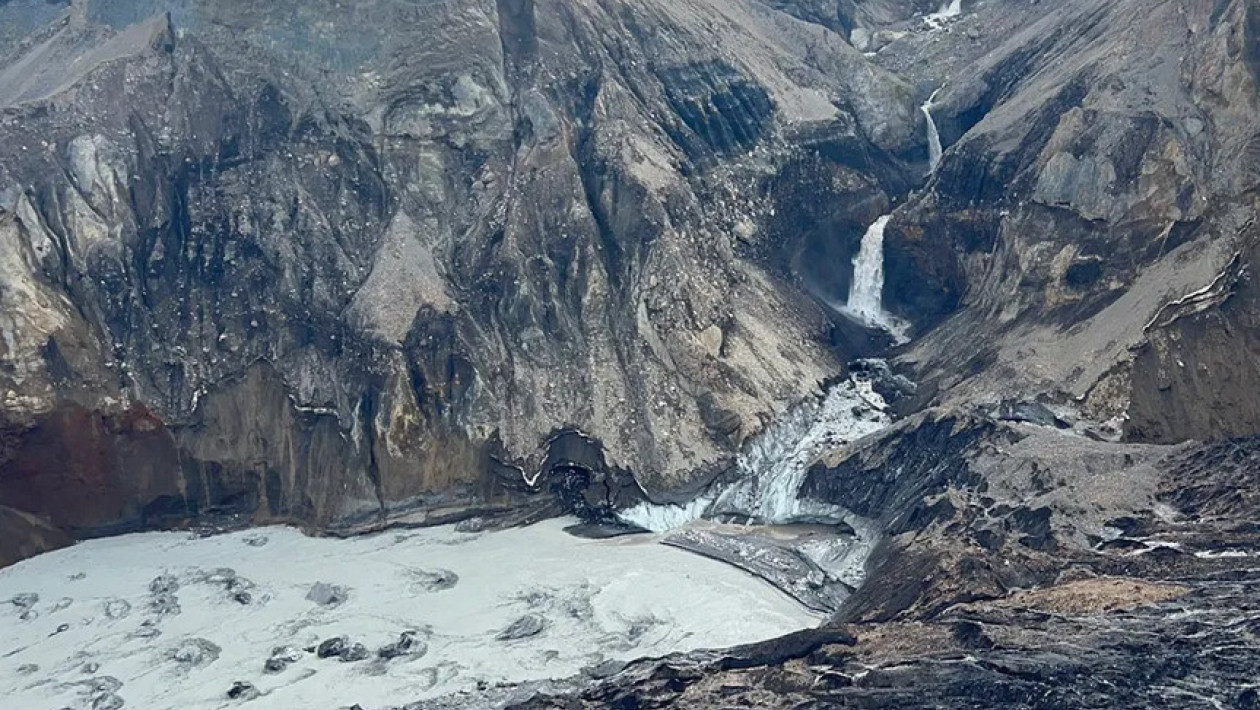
(1024,566)
(1096,173)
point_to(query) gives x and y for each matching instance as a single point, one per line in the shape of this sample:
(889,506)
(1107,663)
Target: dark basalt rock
(969,634)
(341,648)
(583,481)
(1035,526)
(795,645)
(409,644)
(603,531)
(930,455)
(353,653)
(242,691)
(331,647)
(891,386)
(281,658)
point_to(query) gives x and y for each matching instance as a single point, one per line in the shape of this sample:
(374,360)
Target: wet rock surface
(782,560)
(408,645)
(243,691)
(282,657)
(331,648)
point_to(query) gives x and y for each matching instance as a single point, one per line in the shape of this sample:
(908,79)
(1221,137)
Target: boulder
(408,644)
(524,627)
(242,691)
(328,594)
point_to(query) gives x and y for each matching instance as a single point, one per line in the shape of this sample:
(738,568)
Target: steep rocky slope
(1069,523)
(322,261)
(1097,170)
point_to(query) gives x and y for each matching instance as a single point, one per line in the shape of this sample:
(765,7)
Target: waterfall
(951,9)
(867,287)
(947,11)
(815,569)
(934,138)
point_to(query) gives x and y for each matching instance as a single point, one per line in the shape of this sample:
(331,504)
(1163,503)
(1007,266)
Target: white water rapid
(774,463)
(865,302)
(772,469)
(933,136)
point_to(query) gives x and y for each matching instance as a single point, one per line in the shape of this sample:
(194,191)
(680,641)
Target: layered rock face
(318,262)
(1096,173)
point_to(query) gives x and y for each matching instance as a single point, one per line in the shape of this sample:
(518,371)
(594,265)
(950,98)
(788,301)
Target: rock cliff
(325,262)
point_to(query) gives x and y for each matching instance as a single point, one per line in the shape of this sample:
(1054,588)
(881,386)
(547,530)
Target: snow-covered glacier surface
(170,620)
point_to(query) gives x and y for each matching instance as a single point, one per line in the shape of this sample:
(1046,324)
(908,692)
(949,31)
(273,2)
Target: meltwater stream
(948,10)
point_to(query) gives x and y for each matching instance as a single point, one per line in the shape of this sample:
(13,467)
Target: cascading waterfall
(866,290)
(933,136)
